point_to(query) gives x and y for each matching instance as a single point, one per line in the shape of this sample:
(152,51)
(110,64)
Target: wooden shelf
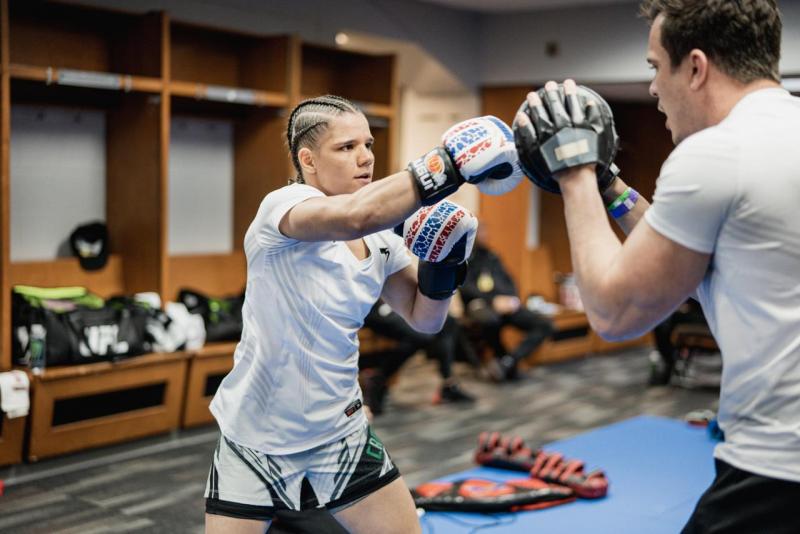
(377,110)
(53,76)
(68,37)
(215,274)
(61,272)
(370,109)
(228,95)
(229,59)
(356,76)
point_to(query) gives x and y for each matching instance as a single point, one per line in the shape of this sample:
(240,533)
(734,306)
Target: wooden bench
(78,407)
(84,406)
(12,433)
(573,337)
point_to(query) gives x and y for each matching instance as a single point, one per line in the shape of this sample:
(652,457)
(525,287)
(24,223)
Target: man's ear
(306,158)
(698,62)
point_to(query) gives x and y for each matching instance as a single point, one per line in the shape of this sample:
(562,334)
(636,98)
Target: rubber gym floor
(156,485)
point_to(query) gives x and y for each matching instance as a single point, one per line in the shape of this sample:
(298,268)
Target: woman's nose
(365,156)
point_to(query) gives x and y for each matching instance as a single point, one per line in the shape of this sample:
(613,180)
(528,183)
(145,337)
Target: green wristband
(623,203)
(620,199)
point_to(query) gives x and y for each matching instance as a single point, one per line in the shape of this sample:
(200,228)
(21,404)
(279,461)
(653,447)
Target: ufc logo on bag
(101,340)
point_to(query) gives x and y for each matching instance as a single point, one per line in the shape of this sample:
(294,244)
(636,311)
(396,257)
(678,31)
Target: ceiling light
(342,38)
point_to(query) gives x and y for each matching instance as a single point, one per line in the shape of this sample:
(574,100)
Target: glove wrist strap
(607,177)
(435,175)
(439,280)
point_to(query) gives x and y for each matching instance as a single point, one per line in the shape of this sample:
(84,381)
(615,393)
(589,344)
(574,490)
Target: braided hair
(309,120)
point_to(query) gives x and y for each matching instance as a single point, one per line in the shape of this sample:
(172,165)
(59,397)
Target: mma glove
(480,151)
(441,236)
(566,131)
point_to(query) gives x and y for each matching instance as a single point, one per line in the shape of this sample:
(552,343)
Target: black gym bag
(222,316)
(68,326)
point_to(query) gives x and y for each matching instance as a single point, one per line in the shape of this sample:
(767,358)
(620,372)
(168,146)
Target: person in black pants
(378,368)
(491,302)
(664,358)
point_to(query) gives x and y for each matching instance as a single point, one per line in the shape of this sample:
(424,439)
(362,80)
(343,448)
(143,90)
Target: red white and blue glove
(480,151)
(441,236)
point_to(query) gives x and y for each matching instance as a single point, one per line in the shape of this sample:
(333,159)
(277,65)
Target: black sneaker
(502,369)
(452,393)
(660,372)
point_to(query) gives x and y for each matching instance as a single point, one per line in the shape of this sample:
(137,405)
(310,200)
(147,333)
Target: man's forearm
(594,246)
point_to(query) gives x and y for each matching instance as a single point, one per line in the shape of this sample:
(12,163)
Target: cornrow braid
(309,120)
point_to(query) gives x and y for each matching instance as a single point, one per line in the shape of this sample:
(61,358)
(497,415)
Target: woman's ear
(306,158)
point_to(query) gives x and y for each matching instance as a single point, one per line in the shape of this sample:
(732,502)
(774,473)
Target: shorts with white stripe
(249,484)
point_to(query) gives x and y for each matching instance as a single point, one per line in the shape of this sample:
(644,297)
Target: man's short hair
(741,37)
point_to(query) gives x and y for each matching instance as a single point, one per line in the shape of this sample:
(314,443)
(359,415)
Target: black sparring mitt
(563,132)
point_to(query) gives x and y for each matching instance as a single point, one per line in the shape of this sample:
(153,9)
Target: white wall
(605,44)
(58,177)
(790,47)
(200,186)
(58,181)
(596,44)
(423,120)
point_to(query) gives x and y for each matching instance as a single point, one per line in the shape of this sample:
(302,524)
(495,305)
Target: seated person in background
(664,357)
(378,368)
(491,302)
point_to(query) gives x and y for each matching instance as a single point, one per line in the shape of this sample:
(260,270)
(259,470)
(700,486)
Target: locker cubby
(142,72)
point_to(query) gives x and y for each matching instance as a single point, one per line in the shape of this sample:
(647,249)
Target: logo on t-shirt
(384,250)
(353,407)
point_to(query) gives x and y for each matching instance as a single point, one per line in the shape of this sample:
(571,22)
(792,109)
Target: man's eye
(347,147)
(369,146)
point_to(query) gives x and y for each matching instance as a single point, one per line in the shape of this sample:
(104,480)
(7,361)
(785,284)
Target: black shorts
(249,484)
(738,502)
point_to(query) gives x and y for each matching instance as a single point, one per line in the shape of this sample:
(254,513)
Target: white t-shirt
(295,376)
(733,190)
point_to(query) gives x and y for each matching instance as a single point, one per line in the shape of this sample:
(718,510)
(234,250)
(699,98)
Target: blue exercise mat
(657,469)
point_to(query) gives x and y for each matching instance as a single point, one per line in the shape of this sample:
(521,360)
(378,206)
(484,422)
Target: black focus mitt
(558,131)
